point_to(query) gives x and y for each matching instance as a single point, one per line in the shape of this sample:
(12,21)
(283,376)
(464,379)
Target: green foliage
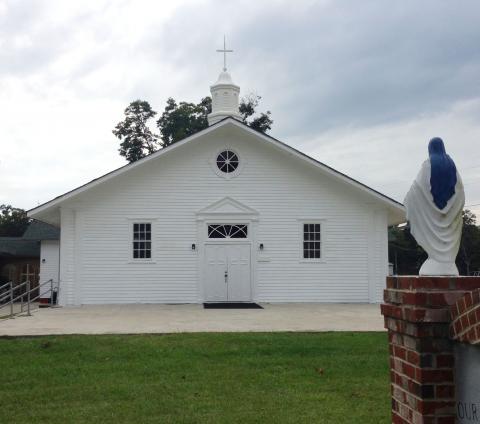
(248,106)
(468,259)
(137,140)
(13,221)
(178,121)
(408,257)
(404,252)
(197,378)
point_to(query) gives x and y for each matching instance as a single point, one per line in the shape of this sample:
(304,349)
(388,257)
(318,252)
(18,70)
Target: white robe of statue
(437,230)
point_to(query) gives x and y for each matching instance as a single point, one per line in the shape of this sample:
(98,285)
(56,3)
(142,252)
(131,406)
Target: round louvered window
(227,161)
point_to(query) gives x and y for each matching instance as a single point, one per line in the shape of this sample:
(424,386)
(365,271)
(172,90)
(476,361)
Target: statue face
(436,146)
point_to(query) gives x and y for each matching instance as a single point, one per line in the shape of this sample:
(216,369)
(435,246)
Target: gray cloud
(343,63)
(348,82)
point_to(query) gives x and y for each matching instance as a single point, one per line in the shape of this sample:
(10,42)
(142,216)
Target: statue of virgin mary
(434,206)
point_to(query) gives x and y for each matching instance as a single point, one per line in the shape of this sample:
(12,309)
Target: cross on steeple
(224,51)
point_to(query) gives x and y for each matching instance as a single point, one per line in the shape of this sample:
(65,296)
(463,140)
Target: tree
(468,258)
(178,121)
(13,221)
(137,140)
(181,120)
(407,256)
(247,108)
(404,252)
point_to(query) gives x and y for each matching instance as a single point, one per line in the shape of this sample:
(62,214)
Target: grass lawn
(196,378)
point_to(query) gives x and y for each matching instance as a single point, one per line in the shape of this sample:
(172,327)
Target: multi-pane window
(312,241)
(142,240)
(227,231)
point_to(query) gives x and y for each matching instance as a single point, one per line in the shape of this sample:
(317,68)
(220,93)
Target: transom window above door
(227,231)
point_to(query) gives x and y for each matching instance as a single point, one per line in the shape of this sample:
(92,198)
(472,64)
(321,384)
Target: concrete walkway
(128,319)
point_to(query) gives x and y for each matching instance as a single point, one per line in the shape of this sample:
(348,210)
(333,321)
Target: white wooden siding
(49,264)
(69,273)
(96,249)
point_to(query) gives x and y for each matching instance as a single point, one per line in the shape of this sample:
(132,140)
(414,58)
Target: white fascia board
(398,207)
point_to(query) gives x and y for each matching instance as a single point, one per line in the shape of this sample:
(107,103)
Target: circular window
(227,161)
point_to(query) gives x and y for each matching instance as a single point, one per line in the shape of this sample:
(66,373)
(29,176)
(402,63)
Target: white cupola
(224,94)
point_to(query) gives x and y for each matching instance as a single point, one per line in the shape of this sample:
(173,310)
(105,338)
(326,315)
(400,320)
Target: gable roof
(28,245)
(395,206)
(38,230)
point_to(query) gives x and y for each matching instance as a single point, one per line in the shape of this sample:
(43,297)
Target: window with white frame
(142,240)
(312,241)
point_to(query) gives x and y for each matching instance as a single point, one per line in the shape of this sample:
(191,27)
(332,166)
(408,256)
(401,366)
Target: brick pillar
(417,317)
(465,326)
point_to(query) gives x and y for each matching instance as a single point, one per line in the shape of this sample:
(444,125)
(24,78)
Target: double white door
(227,273)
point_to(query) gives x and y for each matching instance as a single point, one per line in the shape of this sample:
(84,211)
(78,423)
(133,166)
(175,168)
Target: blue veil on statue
(443,177)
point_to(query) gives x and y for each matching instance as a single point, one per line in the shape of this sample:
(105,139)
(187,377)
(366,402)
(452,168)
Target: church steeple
(224,94)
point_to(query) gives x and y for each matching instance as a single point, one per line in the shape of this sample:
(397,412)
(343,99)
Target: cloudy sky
(361,86)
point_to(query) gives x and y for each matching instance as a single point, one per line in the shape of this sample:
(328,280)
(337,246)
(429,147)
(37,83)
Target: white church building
(228,214)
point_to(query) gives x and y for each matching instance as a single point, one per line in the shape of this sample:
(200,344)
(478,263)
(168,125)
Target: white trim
(226,208)
(213,214)
(228,176)
(130,258)
(395,207)
(223,222)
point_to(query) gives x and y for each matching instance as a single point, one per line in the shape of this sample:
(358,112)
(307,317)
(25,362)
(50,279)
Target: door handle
(226,277)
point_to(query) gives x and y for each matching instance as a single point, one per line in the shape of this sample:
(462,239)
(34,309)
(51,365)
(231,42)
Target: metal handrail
(12,298)
(5,285)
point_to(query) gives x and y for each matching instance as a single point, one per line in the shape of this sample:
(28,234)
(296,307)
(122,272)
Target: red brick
(445,391)
(464,319)
(437,299)
(444,361)
(476,297)
(477,314)
(414,298)
(421,315)
(433,375)
(454,310)
(393,311)
(437,315)
(436,407)
(390,283)
(397,419)
(467,283)
(409,370)
(471,317)
(468,300)
(457,325)
(413,357)
(400,352)
(414,314)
